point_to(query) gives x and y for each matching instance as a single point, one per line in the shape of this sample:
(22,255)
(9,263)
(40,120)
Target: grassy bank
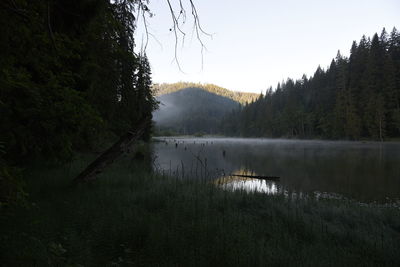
(130,217)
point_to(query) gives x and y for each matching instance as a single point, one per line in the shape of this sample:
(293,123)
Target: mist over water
(167,112)
(365,171)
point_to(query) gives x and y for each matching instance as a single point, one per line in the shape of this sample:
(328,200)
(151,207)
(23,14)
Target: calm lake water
(365,171)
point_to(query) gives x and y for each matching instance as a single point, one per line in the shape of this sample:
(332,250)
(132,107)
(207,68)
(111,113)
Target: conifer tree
(356,97)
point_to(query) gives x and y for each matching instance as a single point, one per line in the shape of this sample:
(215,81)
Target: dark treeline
(69,81)
(69,76)
(356,97)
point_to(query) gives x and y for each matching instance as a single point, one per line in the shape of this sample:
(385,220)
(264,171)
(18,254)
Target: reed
(133,217)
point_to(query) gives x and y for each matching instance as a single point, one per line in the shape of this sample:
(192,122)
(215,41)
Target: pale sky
(256,44)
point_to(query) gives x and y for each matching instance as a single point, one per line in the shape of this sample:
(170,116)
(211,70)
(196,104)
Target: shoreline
(132,216)
(220,137)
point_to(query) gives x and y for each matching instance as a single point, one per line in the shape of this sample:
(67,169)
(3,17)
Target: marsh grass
(132,217)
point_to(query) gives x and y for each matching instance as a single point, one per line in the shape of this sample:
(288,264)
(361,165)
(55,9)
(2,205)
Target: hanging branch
(145,27)
(196,26)
(177,21)
(182,12)
(129,139)
(176,28)
(199,29)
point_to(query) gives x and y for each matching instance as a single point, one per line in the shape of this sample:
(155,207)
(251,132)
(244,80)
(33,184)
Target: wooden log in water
(260,177)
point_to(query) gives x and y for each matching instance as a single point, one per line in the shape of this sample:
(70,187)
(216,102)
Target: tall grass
(131,217)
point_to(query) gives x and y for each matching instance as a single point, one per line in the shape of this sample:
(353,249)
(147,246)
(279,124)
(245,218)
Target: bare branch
(197,19)
(177,22)
(145,24)
(199,29)
(176,28)
(182,12)
(155,38)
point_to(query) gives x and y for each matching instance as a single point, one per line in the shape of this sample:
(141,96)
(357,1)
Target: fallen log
(106,158)
(260,177)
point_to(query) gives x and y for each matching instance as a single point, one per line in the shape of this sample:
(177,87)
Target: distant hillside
(240,97)
(192,110)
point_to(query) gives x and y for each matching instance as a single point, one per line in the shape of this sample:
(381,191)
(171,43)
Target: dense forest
(191,110)
(69,75)
(354,98)
(76,97)
(69,78)
(240,97)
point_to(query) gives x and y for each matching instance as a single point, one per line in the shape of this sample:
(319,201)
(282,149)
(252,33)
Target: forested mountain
(192,110)
(240,97)
(69,76)
(355,97)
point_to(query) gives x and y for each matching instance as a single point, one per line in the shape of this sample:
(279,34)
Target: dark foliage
(68,76)
(355,98)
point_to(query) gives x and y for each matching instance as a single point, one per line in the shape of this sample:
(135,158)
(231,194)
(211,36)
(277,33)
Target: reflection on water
(233,183)
(251,185)
(366,171)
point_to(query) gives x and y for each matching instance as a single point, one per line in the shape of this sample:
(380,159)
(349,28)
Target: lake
(364,171)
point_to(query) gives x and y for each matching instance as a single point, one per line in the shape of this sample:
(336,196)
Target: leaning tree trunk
(106,158)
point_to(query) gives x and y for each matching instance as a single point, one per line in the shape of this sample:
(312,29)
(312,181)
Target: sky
(257,43)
